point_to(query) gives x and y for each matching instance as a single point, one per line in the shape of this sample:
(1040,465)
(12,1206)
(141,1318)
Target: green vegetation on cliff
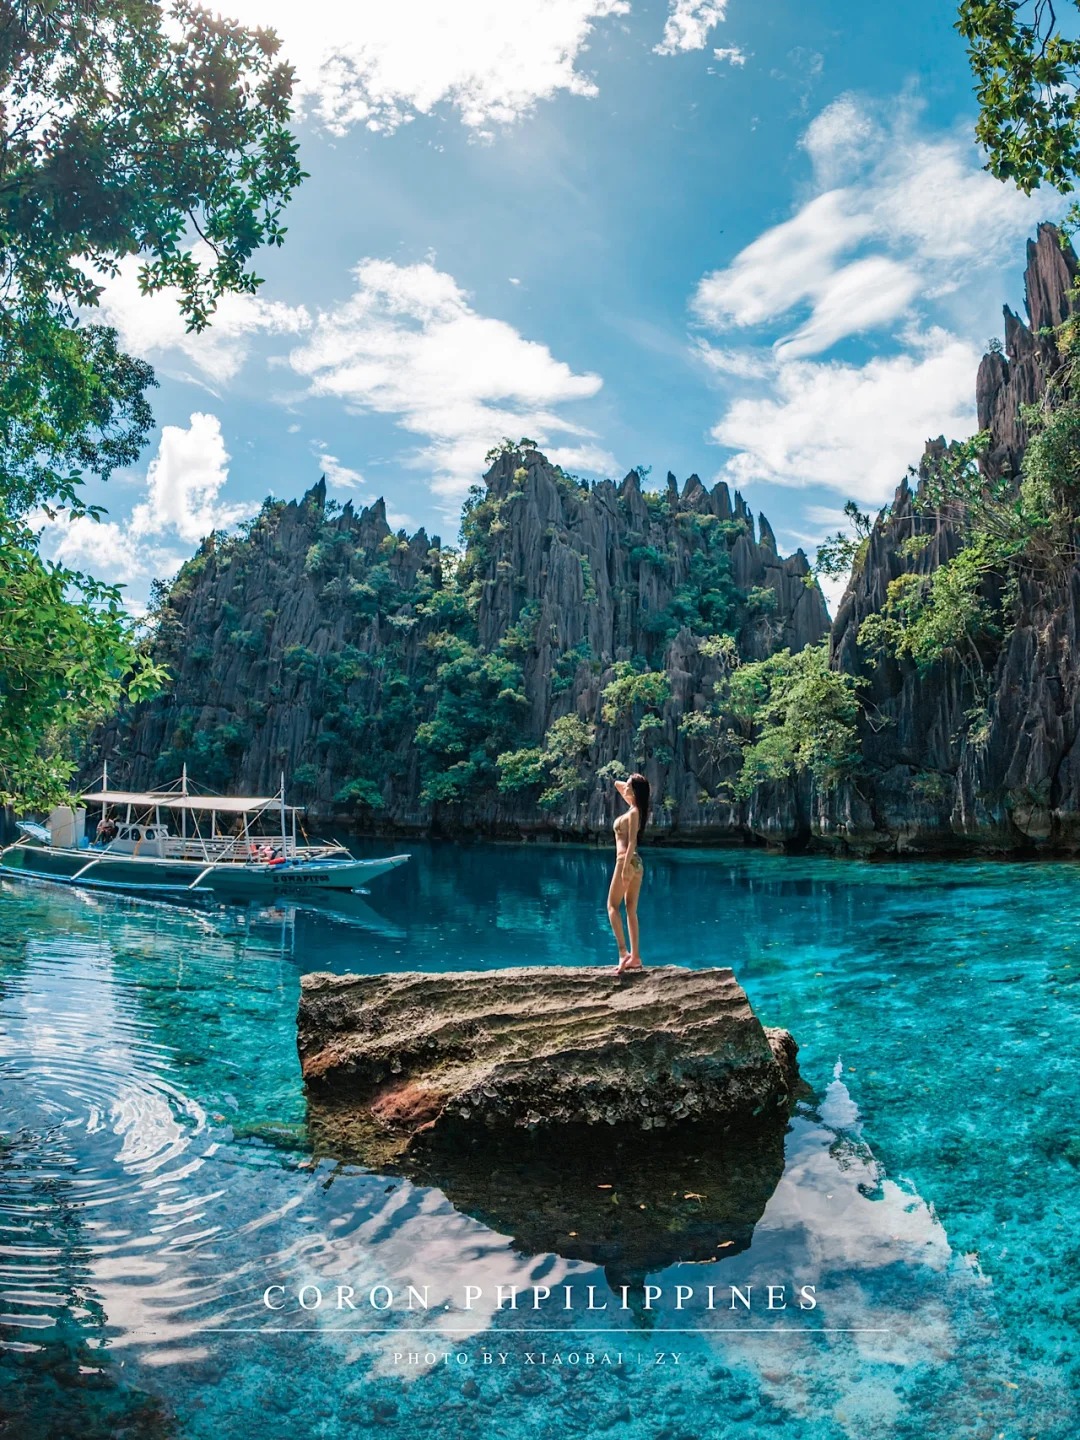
(390,676)
(1010,529)
(778,718)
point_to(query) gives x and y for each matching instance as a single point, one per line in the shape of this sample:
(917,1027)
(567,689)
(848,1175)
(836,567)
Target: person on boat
(629,869)
(107,830)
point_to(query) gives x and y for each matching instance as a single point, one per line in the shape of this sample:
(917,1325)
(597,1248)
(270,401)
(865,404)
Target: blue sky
(748,241)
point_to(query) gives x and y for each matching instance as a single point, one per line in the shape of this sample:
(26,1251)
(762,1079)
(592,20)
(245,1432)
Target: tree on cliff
(1027,77)
(126,129)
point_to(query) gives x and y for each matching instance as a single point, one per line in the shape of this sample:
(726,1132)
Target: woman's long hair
(640,786)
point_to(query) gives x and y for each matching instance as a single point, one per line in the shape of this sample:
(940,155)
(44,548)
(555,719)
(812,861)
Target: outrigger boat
(169,844)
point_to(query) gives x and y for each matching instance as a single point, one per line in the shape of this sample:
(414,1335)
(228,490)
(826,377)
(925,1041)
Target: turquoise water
(155,1175)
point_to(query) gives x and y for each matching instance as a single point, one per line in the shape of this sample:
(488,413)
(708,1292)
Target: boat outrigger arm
(90,864)
(142,852)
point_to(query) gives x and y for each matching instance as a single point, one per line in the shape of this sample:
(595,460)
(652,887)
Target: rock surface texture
(307,647)
(317,646)
(421,1058)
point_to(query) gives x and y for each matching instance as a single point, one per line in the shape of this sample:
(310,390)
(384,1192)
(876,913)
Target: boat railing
(224,849)
(229,849)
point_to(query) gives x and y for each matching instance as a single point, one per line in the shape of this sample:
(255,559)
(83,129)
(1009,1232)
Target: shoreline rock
(399,1064)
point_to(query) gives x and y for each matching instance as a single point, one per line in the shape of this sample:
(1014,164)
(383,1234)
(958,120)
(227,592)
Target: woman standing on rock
(629,870)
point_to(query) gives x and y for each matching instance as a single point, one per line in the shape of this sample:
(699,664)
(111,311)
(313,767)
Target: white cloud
(789,264)
(409,344)
(688,24)
(860,296)
(929,191)
(183,504)
(380,65)
(842,136)
(105,549)
(898,215)
(852,428)
(184,483)
(731,55)
(936,197)
(339,476)
(746,364)
(894,230)
(152,325)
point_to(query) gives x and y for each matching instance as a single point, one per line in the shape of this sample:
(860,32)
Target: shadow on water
(628,1202)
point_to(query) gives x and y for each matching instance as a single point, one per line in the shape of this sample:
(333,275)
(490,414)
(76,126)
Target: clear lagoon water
(156,1174)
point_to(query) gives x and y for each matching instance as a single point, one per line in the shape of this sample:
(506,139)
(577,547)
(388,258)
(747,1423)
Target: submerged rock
(396,1064)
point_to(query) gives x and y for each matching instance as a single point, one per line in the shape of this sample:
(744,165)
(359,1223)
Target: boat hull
(227,881)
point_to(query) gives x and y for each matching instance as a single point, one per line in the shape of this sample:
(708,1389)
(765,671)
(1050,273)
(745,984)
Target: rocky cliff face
(935,778)
(1018,377)
(383,674)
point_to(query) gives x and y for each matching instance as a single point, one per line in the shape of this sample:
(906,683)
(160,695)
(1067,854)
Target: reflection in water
(615,1198)
(339,911)
(630,1207)
(155,1174)
(52,1330)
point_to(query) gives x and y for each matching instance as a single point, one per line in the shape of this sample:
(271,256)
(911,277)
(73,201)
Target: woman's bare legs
(633,890)
(615,897)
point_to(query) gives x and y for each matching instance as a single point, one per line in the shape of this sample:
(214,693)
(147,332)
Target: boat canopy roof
(116,797)
(171,800)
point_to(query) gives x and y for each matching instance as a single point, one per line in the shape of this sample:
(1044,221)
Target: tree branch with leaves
(127,129)
(1026,82)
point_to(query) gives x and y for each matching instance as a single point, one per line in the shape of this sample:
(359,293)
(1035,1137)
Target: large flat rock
(408,1060)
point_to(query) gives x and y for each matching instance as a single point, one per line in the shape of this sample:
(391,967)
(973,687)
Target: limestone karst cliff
(404,687)
(385,675)
(956,760)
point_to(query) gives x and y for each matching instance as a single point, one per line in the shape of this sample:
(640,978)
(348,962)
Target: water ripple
(93,1123)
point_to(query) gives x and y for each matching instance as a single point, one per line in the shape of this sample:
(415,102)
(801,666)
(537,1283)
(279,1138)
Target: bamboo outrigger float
(168,844)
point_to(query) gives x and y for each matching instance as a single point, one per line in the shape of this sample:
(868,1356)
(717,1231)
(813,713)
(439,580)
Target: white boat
(170,843)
